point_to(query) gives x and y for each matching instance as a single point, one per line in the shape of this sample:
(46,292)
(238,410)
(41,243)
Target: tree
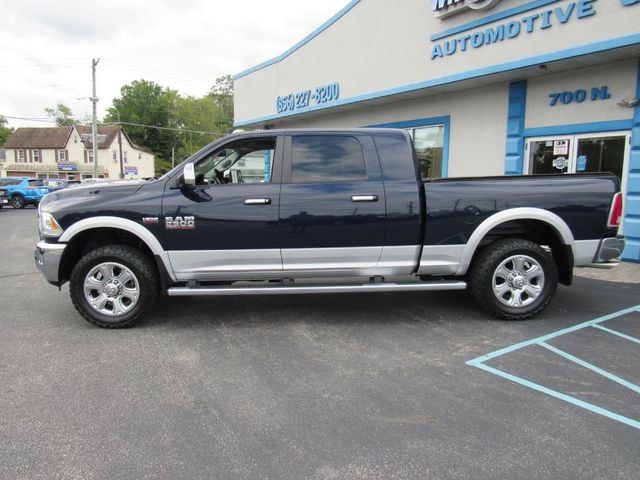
(201,119)
(62,115)
(4,131)
(197,115)
(146,103)
(222,94)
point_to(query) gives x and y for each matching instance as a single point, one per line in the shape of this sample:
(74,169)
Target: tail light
(615,214)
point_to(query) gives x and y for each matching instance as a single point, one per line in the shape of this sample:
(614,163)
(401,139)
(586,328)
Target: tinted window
(9,181)
(326,158)
(36,183)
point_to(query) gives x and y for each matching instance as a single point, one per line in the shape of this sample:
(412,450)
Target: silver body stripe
(585,252)
(294,263)
(440,259)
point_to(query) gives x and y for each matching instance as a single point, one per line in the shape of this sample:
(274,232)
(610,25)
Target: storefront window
(429,143)
(578,153)
(605,154)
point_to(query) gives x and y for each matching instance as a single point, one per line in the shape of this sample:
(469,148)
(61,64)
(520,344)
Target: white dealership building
(486,87)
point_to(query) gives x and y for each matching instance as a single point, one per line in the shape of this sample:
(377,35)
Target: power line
(162,77)
(42,65)
(157,127)
(32,119)
(167,128)
(158,71)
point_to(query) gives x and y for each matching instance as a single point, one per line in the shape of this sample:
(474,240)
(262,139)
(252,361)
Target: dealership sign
(446,8)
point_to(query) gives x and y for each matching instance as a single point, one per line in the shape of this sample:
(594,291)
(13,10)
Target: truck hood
(82,193)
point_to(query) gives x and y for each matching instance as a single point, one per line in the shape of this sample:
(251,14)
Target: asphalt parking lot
(388,386)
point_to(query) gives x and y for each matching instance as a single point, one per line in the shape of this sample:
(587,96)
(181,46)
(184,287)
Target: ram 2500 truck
(285,212)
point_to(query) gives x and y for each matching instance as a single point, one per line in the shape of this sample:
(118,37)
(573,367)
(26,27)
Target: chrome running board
(311,289)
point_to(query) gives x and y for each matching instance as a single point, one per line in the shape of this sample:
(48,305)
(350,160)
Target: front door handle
(364,198)
(257,201)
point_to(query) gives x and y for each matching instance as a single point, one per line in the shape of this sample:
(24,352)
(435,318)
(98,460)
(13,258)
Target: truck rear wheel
(112,286)
(514,279)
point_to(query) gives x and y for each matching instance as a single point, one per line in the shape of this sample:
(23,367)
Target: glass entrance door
(550,155)
(594,152)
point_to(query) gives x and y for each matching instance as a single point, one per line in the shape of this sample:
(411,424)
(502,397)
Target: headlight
(48,225)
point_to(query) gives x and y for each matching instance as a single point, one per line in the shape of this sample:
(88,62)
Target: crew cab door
(332,203)
(228,221)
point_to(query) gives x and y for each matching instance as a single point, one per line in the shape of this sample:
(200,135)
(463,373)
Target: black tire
(486,289)
(18,201)
(144,272)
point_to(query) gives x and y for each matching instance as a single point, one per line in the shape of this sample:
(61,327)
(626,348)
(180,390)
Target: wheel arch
(103,230)
(562,236)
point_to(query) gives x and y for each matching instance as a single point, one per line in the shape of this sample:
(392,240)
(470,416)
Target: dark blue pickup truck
(323,211)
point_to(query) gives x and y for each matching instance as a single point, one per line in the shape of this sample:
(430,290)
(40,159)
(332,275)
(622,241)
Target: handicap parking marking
(542,342)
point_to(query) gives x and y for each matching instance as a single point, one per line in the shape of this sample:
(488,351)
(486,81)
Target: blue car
(23,191)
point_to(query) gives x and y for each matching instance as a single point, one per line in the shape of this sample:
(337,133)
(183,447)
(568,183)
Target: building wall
(76,154)
(476,151)
(143,161)
(377,48)
(618,77)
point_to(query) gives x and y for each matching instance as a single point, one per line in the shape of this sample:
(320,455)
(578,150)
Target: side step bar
(309,289)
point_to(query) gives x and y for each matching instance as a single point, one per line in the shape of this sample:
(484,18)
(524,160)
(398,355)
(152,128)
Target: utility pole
(173,157)
(120,145)
(94,124)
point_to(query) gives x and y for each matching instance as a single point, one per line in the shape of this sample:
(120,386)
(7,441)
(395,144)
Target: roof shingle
(38,138)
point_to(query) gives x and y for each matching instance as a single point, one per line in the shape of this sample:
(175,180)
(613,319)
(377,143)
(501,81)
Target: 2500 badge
(300,100)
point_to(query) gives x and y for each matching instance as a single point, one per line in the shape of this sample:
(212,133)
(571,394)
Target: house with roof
(61,153)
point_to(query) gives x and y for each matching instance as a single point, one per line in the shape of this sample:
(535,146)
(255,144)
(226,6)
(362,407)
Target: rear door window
(326,158)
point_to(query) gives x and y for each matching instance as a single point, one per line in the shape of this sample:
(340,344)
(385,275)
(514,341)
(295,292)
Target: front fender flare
(121,224)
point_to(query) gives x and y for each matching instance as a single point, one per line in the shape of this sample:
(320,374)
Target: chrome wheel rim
(518,281)
(111,289)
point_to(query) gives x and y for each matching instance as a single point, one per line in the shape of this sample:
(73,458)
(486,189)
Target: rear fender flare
(558,224)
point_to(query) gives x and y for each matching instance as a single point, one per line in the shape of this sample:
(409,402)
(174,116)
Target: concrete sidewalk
(626,272)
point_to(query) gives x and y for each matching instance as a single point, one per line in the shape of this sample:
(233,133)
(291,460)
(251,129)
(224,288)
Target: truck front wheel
(514,279)
(112,286)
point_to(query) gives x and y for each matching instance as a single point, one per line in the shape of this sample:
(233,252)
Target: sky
(46,47)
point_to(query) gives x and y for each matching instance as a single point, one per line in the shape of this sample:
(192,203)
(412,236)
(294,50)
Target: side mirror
(189,174)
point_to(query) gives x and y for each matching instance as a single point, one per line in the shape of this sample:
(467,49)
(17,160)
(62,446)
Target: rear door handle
(364,198)
(257,201)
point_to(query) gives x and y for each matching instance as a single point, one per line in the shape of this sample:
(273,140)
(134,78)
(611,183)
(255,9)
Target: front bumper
(48,257)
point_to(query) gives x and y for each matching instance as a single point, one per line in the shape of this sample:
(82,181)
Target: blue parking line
(615,332)
(562,396)
(541,341)
(559,333)
(591,366)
